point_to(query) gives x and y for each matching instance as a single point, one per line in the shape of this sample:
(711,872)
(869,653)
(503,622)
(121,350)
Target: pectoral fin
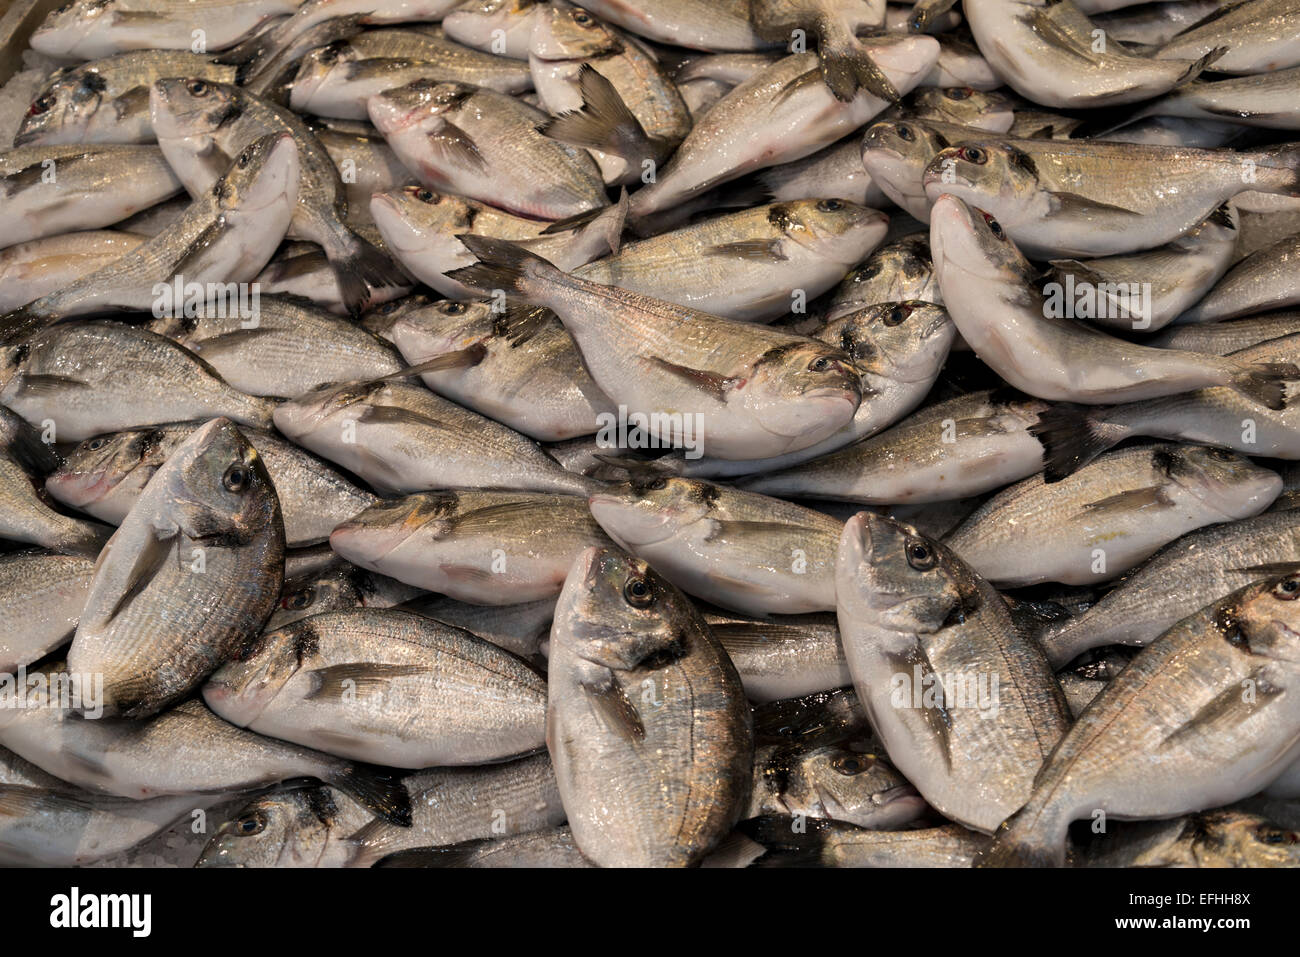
(456,147)
(356,678)
(1153,496)
(1072,204)
(753,250)
(711,383)
(616,712)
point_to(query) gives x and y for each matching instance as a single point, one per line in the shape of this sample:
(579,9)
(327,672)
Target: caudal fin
(1265,382)
(1017,844)
(503,265)
(603,122)
(359,267)
(379,789)
(847,67)
(1071,438)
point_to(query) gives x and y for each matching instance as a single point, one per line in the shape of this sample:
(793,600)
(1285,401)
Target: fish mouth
(628,525)
(363,545)
(393,224)
(81,488)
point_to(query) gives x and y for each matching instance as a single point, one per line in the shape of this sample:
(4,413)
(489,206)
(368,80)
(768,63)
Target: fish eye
(958,93)
(920,555)
(1267,834)
(245,158)
(830,205)
(638,592)
(582,18)
(906,133)
(249,824)
(821,364)
(20,354)
(850,764)
(453,308)
(995,227)
(330,54)
(869,271)
(1288,589)
(387,308)
(425,195)
(300,600)
(973,154)
(96,444)
(899,313)
(657,485)
(197,87)
(42,104)
(237,477)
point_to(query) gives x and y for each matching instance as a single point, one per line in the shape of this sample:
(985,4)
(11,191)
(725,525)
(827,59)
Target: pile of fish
(653,433)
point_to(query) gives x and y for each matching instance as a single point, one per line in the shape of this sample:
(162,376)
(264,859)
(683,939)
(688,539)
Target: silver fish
(39,267)
(1266,279)
(501,27)
(43,595)
(1258,36)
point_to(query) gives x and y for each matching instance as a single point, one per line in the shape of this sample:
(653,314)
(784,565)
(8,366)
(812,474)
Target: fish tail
(379,789)
(1017,843)
(847,67)
(603,122)
(21,322)
(249,56)
(1277,170)
(1072,437)
(505,266)
(359,267)
(1264,382)
(1199,66)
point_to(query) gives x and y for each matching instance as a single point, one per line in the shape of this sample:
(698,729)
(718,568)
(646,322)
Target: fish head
(192,106)
(286,829)
(617,613)
(110,465)
(800,388)
(63,111)
(379,320)
(476,24)
(423,103)
(1230,838)
(443,327)
(855,786)
(325,407)
(566,32)
(420,221)
(369,537)
(901,341)
(896,153)
(892,576)
(1225,481)
(263,175)
(1263,620)
(894,272)
(994,176)
(981,109)
(74,29)
(969,240)
(16,363)
(242,688)
(647,511)
(311,595)
(219,485)
(832,229)
(316,67)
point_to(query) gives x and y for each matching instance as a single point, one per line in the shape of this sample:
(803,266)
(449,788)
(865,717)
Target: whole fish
(1174,732)
(42,596)
(647,723)
(285,347)
(1086,198)
(755,554)
(782,114)
(403,438)
(1257,36)
(1102,520)
(107,101)
(1048,53)
(185,750)
(746,391)
(26,515)
(384,686)
(487,548)
(1192,571)
(502,27)
(89,377)
(538,386)
(104,476)
(485,145)
(783,657)
(39,267)
(191,574)
(1222,338)
(964,446)
(966,706)
(200,124)
(54,189)
(336,80)
(1004,316)
(1266,279)
(222,240)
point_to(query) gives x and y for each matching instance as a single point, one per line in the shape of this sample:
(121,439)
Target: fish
(977,262)
(482,547)
(104,476)
(1194,570)
(285,346)
(484,145)
(39,267)
(1197,720)
(1091,198)
(1262,281)
(785,656)
(897,155)
(201,123)
(49,189)
(385,687)
(367,165)
(88,377)
(1107,517)
(1224,837)
(647,724)
(1048,53)
(185,750)
(1223,338)
(538,387)
(334,589)
(1256,37)
(822,716)
(222,240)
(1265,100)
(300,827)
(899,271)
(107,100)
(966,705)
(550,848)
(968,445)
(43,595)
(674,363)
(27,516)
(501,27)
(960,105)
(402,438)
(190,575)
(521,628)
(833,172)
(836,844)
(1156,23)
